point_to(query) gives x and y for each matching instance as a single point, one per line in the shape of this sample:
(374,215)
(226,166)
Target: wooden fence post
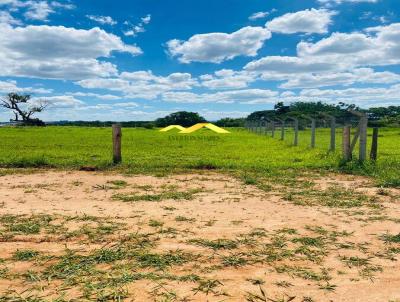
(374,146)
(313,125)
(116,137)
(296,132)
(363,138)
(333,134)
(273,128)
(354,140)
(282,128)
(266,126)
(346,148)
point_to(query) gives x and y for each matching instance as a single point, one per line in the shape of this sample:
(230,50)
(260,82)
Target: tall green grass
(149,151)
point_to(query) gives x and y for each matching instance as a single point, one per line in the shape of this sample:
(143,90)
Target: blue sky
(142,59)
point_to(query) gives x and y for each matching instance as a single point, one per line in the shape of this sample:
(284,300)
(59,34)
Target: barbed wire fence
(353,120)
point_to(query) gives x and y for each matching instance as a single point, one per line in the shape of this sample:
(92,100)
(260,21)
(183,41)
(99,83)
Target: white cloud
(224,97)
(330,2)
(11,86)
(360,75)
(126,105)
(377,46)
(363,97)
(142,84)
(227,79)
(36,9)
(137,28)
(67,5)
(59,101)
(289,65)
(102,19)
(340,59)
(6,18)
(39,11)
(105,97)
(306,21)
(58,52)
(258,15)
(146,19)
(219,47)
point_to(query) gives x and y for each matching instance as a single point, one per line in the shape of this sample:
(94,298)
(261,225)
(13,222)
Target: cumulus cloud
(289,65)
(219,47)
(6,18)
(340,59)
(135,29)
(225,97)
(360,75)
(58,52)
(36,9)
(331,2)
(364,97)
(376,46)
(306,21)
(59,101)
(227,79)
(258,15)
(12,86)
(105,97)
(105,20)
(142,84)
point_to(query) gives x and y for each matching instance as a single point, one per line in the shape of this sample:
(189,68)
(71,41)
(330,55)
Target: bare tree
(23,110)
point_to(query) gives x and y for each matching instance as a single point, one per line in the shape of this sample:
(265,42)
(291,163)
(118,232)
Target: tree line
(23,110)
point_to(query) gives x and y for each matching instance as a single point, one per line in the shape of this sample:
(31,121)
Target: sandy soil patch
(85,236)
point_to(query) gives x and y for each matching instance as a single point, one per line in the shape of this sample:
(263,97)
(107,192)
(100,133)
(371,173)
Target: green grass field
(150,151)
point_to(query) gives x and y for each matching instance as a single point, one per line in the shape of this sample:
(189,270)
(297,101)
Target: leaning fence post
(374,146)
(346,149)
(116,138)
(362,128)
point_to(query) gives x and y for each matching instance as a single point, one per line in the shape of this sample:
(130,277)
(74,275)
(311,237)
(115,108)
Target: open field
(149,151)
(204,217)
(84,236)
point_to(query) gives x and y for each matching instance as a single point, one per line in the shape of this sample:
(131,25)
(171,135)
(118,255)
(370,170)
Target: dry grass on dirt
(84,236)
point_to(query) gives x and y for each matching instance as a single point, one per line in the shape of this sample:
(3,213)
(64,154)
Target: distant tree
(261,115)
(313,108)
(23,110)
(182,118)
(280,108)
(230,122)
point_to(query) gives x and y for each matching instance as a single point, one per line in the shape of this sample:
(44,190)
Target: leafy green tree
(230,122)
(183,118)
(280,108)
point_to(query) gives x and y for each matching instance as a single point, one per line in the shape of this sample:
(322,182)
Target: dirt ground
(89,236)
